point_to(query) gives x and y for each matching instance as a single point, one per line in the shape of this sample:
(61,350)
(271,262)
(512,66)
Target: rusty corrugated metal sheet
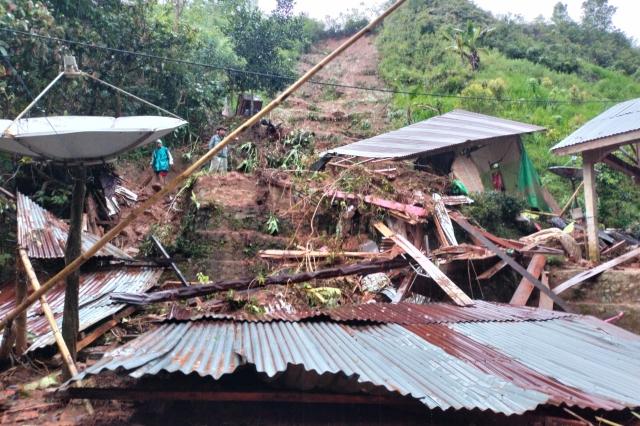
(408,313)
(622,118)
(45,236)
(437,134)
(561,361)
(574,352)
(375,358)
(95,303)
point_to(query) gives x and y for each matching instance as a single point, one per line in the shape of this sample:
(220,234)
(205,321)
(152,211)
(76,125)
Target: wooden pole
(21,320)
(73,251)
(590,200)
(64,351)
(575,193)
(33,280)
(191,170)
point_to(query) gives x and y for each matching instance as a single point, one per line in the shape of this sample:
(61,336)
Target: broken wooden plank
(300,254)
(524,290)
(595,271)
(362,268)
(492,271)
(454,292)
(7,193)
(404,288)
(516,245)
(613,247)
(443,221)
(394,205)
(512,263)
(545,302)
(104,327)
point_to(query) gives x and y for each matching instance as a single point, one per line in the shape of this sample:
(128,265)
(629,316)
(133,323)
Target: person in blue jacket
(161,161)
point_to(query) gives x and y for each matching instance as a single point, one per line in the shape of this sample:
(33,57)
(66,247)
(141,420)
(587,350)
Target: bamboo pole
(195,167)
(31,275)
(571,199)
(64,351)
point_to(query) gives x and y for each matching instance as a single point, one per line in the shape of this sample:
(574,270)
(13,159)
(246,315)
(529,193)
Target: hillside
(569,82)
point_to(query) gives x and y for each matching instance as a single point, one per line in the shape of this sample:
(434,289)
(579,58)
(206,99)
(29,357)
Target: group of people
(161,159)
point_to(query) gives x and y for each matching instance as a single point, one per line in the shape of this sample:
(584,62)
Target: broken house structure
(44,236)
(482,152)
(612,138)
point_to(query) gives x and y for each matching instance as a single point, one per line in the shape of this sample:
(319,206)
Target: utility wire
(283,77)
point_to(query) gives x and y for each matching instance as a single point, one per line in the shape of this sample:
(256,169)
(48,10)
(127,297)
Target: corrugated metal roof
(576,353)
(45,236)
(378,356)
(95,303)
(622,118)
(408,313)
(507,368)
(437,134)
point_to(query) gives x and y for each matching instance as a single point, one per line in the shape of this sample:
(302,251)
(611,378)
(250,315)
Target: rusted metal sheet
(491,361)
(409,313)
(45,236)
(574,352)
(443,366)
(438,134)
(373,359)
(622,118)
(95,303)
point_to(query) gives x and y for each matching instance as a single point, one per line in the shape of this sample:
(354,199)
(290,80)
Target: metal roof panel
(621,118)
(447,130)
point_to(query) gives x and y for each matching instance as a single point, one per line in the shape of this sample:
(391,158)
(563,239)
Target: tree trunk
(176,17)
(8,339)
(70,315)
(21,320)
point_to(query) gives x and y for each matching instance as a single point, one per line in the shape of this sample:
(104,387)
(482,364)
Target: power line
(320,83)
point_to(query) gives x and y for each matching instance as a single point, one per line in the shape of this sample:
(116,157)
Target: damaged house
(481,151)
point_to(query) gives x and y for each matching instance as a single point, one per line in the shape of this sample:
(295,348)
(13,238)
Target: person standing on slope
(219,162)
(161,161)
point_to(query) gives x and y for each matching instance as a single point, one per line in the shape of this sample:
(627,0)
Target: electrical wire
(320,83)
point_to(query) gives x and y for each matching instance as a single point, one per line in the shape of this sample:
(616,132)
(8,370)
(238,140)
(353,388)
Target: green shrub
(496,211)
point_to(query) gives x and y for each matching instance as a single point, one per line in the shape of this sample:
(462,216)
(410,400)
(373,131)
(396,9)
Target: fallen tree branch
(362,268)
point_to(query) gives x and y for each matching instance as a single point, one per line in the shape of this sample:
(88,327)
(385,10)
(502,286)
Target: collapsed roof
(446,132)
(500,360)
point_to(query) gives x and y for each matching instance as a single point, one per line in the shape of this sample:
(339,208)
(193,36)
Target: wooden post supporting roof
(590,201)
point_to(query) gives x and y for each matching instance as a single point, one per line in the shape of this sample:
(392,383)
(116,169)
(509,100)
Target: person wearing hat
(161,161)
(219,161)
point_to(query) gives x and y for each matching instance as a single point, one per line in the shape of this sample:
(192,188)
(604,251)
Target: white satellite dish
(91,140)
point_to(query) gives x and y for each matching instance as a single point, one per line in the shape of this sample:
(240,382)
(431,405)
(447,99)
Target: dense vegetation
(556,74)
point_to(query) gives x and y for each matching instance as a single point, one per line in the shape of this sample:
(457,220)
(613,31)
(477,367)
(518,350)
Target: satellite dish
(572,173)
(90,140)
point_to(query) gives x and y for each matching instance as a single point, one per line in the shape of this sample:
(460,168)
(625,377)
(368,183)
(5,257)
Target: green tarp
(529,184)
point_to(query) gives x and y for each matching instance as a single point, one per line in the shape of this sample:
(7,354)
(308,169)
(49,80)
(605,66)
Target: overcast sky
(627,18)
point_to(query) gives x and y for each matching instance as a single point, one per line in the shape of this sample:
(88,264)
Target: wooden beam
(362,268)
(591,201)
(513,264)
(221,396)
(492,270)
(524,290)
(595,271)
(301,254)
(404,288)
(545,301)
(449,287)
(7,193)
(104,327)
(622,166)
(612,143)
